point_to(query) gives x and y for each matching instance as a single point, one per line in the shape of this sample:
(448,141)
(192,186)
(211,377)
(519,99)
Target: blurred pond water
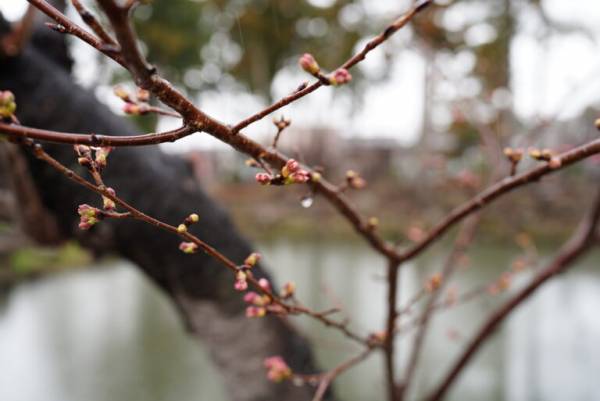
(107,334)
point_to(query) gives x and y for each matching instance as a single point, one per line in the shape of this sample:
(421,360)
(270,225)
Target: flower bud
(255,311)
(252,259)
(434,282)
(182,228)
(263,178)
(107,203)
(121,93)
(309,64)
(288,290)
(188,247)
(7,104)
(240,281)
(277,369)
(554,163)
(143,95)
(264,284)
(340,76)
(89,216)
(132,109)
(102,156)
(290,167)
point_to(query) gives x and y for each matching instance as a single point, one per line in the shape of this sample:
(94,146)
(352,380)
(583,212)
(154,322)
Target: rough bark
(162,186)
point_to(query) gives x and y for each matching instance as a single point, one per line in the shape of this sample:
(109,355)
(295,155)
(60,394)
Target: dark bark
(162,186)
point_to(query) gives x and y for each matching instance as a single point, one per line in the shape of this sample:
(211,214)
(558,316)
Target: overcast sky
(543,74)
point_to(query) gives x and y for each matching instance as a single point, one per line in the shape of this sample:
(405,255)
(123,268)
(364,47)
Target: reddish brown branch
(357,58)
(579,243)
(93,23)
(500,188)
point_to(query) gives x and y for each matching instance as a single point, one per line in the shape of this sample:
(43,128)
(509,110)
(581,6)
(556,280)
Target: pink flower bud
(277,369)
(89,216)
(255,311)
(264,284)
(290,167)
(188,247)
(340,76)
(109,204)
(240,281)
(250,297)
(309,64)
(263,178)
(300,177)
(131,109)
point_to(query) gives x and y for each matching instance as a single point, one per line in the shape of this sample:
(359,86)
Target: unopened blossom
(250,297)
(299,177)
(309,64)
(107,203)
(89,216)
(121,93)
(264,284)
(252,259)
(263,178)
(288,289)
(433,282)
(7,104)
(354,180)
(291,167)
(255,311)
(340,76)
(102,156)
(277,369)
(188,247)
(240,281)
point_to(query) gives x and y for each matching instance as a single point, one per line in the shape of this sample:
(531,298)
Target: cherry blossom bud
(292,166)
(143,95)
(288,290)
(107,203)
(182,228)
(263,178)
(251,297)
(315,177)
(7,104)
(102,156)
(121,93)
(513,155)
(555,163)
(264,284)
(240,281)
(299,177)
(89,216)
(354,180)
(255,311)
(309,64)
(372,223)
(132,109)
(252,259)
(340,76)
(434,282)
(277,369)
(188,247)
(251,163)
(194,218)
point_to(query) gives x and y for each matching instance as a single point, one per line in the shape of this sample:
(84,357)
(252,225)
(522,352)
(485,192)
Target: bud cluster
(89,216)
(94,158)
(291,173)
(244,272)
(137,105)
(340,76)
(277,369)
(546,155)
(187,222)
